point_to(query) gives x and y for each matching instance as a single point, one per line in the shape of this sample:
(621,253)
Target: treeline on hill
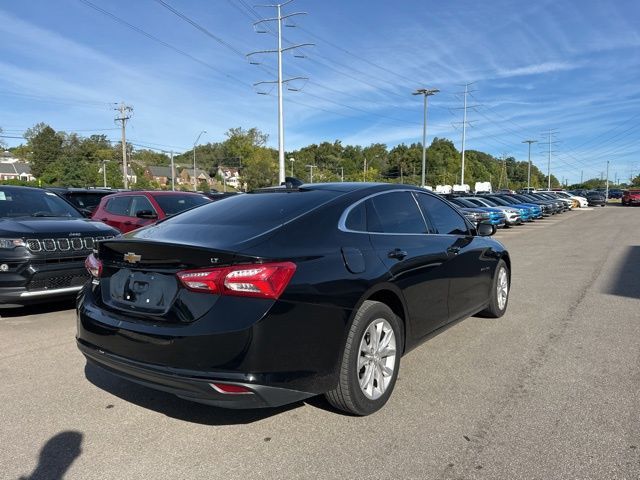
(59,158)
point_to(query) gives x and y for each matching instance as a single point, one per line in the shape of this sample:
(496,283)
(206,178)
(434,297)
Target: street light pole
(529,169)
(195,180)
(291,160)
(426,93)
(607,188)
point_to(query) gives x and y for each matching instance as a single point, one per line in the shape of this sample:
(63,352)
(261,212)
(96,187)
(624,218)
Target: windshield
(27,202)
(172,204)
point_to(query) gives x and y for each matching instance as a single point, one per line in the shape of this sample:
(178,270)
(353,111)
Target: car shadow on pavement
(36,309)
(625,278)
(56,456)
(175,407)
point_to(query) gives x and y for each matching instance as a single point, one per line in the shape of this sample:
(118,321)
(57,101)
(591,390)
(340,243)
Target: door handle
(453,250)
(128,223)
(104,219)
(397,254)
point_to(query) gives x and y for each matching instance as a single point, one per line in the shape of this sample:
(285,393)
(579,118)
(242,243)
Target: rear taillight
(262,280)
(93,266)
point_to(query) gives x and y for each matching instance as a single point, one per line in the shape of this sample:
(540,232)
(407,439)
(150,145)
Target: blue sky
(572,66)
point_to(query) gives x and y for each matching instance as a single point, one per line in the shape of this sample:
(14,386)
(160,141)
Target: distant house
(159,174)
(16,171)
(186,176)
(230,175)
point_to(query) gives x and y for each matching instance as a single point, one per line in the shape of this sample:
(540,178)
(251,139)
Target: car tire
(499,292)
(363,388)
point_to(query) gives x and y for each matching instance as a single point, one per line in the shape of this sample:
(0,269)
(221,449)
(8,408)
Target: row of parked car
(506,209)
(47,234)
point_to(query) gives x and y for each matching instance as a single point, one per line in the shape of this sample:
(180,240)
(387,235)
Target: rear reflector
(262,280)
(93,266)
(230,389)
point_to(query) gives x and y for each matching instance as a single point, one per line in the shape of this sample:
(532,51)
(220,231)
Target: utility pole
(607,186)
(173,174)
(104,173)
(426,93)
(342,174)
(280,81)
(581,176)
(364,176)
(464,130)
(195,175)
(291,160)
(549,143)
(529,169)
(125,112)
(311,167)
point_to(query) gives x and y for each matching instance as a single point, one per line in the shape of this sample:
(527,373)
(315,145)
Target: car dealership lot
(551,390)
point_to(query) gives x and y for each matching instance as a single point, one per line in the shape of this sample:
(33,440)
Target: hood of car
(47,226)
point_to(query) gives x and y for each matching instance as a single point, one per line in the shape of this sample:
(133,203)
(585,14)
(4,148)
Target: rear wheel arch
(392,297)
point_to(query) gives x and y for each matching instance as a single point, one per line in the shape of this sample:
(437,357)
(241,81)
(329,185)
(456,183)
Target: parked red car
(631,197)
(127,211)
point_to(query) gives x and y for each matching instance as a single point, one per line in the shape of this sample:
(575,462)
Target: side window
(357,220)
(444,218)
(140,203)
(119,206)
(394,212)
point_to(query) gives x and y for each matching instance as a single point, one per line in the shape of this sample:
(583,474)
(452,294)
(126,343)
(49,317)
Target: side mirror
(146,214)
(486,229)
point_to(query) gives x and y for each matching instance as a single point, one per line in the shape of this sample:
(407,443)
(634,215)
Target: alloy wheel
(377,358)
(502,288)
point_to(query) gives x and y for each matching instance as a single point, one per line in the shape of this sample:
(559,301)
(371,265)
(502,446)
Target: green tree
(45,146)
(260,169)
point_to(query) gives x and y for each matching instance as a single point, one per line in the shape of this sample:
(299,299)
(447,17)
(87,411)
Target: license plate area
(147,292)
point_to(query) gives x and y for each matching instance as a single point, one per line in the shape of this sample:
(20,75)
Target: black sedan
(271,297)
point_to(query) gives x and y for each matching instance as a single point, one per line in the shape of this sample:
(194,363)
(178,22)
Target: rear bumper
(193,386)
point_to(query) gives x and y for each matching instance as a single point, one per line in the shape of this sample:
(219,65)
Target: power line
(161,42)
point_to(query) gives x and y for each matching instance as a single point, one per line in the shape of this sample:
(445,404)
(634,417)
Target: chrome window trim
(343,218)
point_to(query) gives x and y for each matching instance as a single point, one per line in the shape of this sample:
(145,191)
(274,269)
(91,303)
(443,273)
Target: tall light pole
(426,93)
(195,179)
(607,188)
(291,160)
(529,169)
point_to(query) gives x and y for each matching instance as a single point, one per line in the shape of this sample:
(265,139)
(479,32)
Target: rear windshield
(172,204)
(85,200)
(33,203)
(256,211)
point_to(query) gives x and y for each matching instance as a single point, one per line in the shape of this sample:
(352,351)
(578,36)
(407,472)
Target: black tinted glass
(443,217)
(394,212)
(33,203)
(255,212)
(172,204)
(357,220)
(119,205)
(141,203)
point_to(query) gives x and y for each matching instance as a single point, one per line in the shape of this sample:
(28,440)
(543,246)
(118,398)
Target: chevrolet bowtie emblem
(131,257)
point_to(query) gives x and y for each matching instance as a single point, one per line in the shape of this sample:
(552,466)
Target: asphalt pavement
(549,391)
